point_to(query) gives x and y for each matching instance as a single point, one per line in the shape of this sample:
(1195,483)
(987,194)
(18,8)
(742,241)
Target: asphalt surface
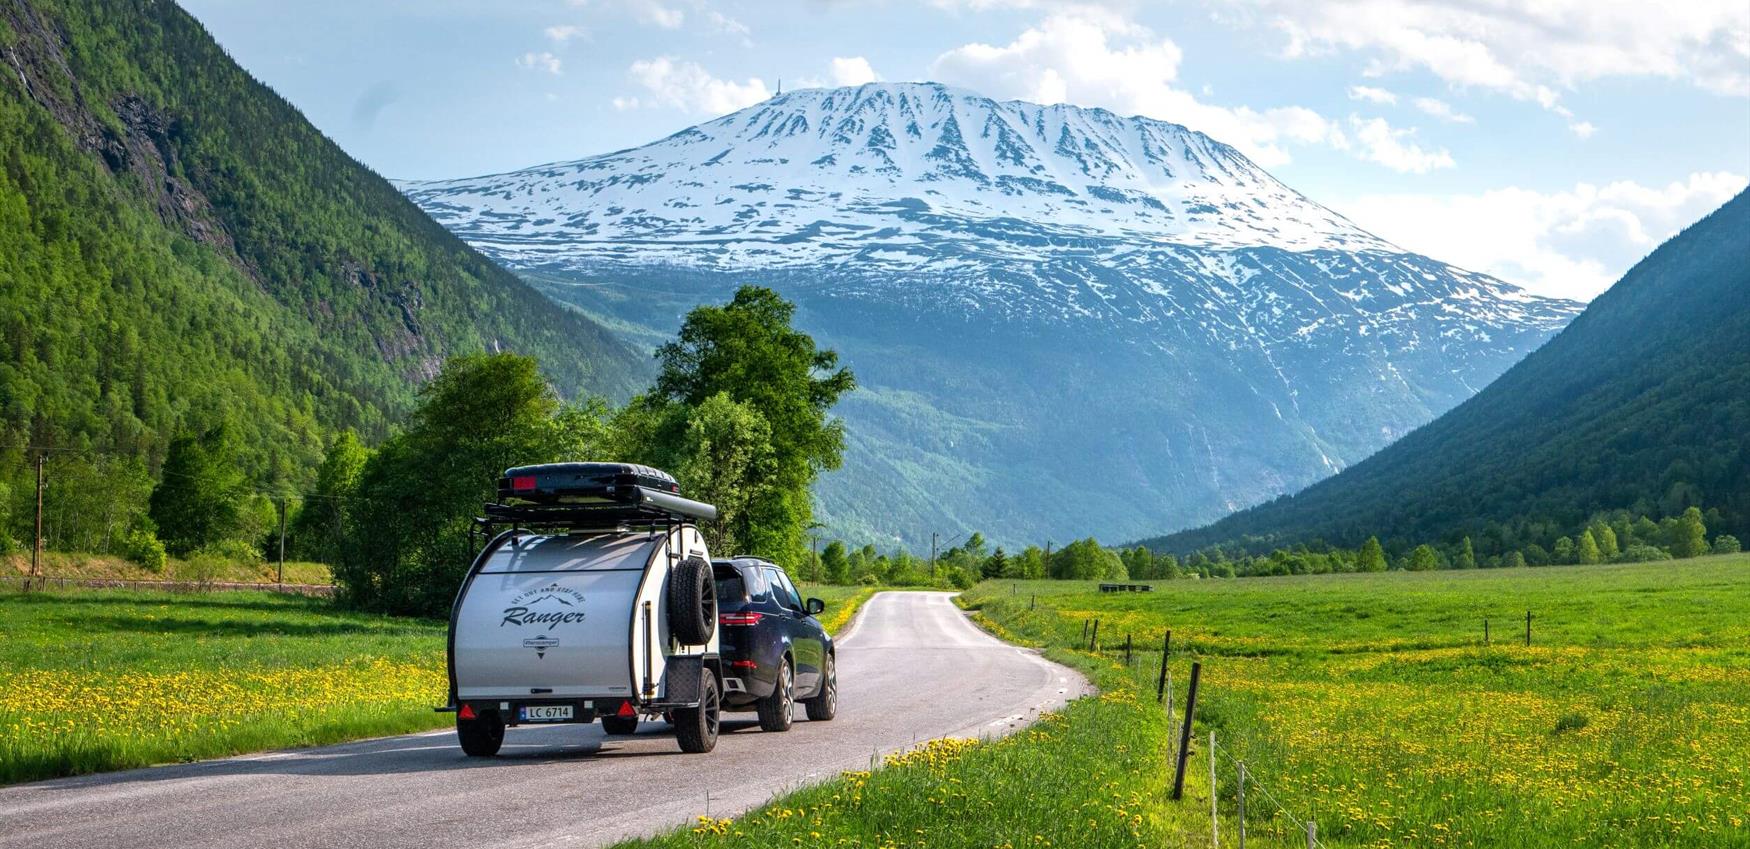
(911,668)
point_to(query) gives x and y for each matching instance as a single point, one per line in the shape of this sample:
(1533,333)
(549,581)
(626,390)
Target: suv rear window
(730,587)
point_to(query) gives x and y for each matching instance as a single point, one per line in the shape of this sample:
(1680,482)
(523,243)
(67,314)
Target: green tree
(1467,555)
(201,496)
(319,530)
(835,563)
(408,541)
(1688,535)
(748,351)
(1086,560)
(1513,560)
(1564,550)
(1424,559)
(1606,539)
(1587,552)
(996,565)
(1372,556)
(725,458)
(1726,544)
(1536,555)
(1029,565)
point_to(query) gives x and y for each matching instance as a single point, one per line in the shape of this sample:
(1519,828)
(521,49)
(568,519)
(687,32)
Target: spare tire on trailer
(692,602)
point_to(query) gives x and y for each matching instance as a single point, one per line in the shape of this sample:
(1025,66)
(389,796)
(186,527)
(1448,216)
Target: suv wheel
(775,709)
(825,704)
(482,736)
(696,728)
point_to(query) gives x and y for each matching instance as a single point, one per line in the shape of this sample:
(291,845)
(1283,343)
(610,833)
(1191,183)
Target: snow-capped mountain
(1066,321)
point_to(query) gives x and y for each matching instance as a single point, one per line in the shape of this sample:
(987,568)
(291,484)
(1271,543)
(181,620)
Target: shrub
(1570,722)
(1726,544)
(142,547)
(1642,553)
(869,580)
(201,568)
(231,550)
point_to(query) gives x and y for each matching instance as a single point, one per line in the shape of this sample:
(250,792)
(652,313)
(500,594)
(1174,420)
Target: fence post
(1171,731)
(1185,733)
(1126,649)
(1085,628)
(1033,602)
(1094,637)
(36,549)
(1528,627)
(1241,765)
(1485,630)
(1161,682)
(1312,835)
(1214,821)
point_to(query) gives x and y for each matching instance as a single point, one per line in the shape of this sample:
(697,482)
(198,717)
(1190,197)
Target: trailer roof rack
(628,507)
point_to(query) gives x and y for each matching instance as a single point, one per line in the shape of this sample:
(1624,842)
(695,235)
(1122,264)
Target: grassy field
(109,679)
(1372,701)
(98,567)
(1365,702)
(95,680)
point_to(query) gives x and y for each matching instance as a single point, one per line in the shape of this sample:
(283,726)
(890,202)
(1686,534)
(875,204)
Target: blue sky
(1551,143)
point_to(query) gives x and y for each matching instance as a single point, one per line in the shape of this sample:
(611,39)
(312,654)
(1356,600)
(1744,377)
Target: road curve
(911,668)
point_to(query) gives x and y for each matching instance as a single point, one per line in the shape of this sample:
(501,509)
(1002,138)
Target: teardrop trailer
(593,597)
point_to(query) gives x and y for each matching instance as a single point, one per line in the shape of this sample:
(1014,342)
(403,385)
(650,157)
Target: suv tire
(775,710)
(692,602)
(696,728)
(482,736)
(825,704)
(619,726)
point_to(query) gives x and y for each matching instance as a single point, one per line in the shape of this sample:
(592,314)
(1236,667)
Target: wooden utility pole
(282,570)
(36,549)
(816,545)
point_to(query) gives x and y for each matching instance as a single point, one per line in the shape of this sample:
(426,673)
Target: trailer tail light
(748,618)
(467,712)
(744,664)
(626,710)
(525,483)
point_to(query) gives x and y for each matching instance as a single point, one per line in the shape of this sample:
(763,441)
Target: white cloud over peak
(542,61)
(564,33)
(1529,51)
(1378,141)
(1372,95)
(853,70)
(687,86)
(1573,243)
(1103,60)
(1442,110)
(656,14)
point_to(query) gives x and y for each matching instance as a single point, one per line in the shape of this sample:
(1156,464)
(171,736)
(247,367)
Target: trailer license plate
(545,713)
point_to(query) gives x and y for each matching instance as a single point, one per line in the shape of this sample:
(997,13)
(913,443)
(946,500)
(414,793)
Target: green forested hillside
(1643,403)
(179,248)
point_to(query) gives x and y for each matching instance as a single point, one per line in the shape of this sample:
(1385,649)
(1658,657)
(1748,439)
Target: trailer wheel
(825,704)
(619,726)
(692,602)
(696,728)
(777,710)
(482,736)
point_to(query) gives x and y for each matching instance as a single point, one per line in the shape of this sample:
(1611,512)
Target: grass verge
(98,680)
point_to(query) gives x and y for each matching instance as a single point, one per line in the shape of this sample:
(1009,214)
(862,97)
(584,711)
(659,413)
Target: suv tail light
(748,618)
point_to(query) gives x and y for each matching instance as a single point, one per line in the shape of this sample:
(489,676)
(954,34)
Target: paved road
(911,668)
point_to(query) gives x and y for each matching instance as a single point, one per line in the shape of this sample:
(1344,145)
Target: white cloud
(1573,243)
(677,84)
(656,14)
(1583,129)
(1529,51)
(1443,110)
(724,23)
(853,70)
(564,33)
(1372,95)
(542,61)
(1380,142)
(1097,59)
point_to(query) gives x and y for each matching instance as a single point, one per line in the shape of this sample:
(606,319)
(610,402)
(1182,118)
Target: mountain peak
(889,155)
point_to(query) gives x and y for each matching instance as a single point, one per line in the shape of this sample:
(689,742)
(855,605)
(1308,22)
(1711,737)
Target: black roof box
(552,483)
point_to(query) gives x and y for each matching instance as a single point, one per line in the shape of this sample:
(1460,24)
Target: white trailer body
(582,616)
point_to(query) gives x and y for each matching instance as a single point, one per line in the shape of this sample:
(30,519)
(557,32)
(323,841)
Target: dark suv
(775,653)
